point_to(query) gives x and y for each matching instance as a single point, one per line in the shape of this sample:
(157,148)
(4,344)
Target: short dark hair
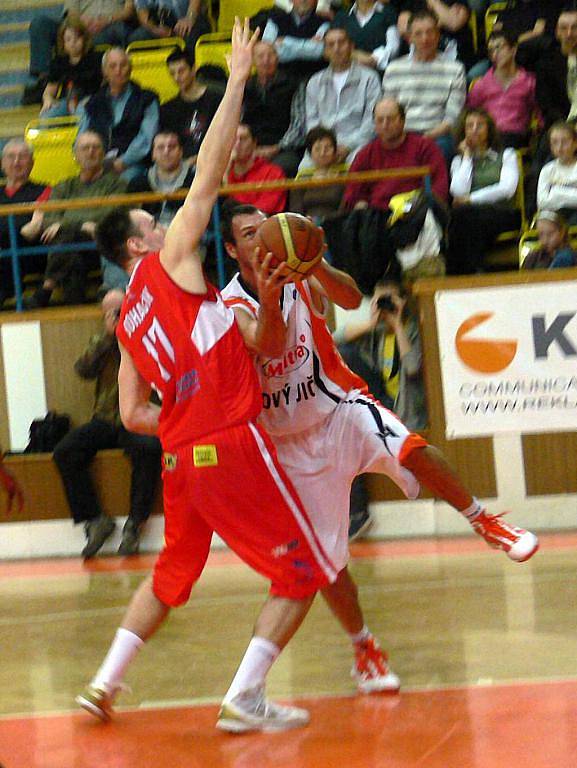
(563,125)
(168,132)
(509,37)
(229,209)
(426,13)
(339,28)
(317,133)
(113,232)
(181,55)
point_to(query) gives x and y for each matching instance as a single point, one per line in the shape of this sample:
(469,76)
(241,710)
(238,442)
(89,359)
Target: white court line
(197,602)
(303,697)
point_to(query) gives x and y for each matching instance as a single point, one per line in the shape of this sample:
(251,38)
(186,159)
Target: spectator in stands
(372,27)
(532,23)
(455,36)
(75,73)
(506,92)
(557,72)
(385,350)
(394,147)
(170,18)
(17,162)
(76,224)
(557,186)
(484,179)
(168,173)
(124,113)
(267,105)
(247,167)
(319,202)
(342,97)
(75,452)
(108,21)
(298,37)
(554,250)
(191,112)
(430,87)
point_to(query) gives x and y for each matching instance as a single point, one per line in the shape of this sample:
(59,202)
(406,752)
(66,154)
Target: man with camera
(74,453)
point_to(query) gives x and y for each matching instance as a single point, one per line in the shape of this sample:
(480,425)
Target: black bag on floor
(47,432)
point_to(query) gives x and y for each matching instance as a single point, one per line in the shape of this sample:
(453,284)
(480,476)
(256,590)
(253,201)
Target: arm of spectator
(505,188)
(410,349)
(475,95)
(461,175)
(555,196)
(386,53)
(366,130)
(267,150)
(140,145)
(456,98)
(451,17)
(537,31)
(335,284)
(296,132)
(293,48)
(270,33)
(138,414)
(357,195)
(92,361)
(311,107)
(145,20)
(183,27)
(49,96)
(433,157)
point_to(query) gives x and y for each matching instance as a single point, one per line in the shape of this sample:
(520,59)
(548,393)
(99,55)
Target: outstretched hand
(243,42)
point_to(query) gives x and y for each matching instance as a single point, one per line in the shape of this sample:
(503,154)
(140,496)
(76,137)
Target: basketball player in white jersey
(327,429)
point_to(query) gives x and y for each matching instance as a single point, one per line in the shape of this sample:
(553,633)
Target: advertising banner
(509,359)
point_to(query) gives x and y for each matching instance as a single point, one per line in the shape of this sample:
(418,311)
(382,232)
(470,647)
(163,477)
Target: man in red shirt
(394,148)
(220,471)
(247,167)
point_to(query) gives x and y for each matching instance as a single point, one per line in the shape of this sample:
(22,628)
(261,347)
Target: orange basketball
(292,238)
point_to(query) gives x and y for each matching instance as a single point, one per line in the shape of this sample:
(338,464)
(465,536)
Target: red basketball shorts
(231,482)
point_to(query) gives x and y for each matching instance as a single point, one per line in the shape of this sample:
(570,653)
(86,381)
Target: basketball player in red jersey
(327,429)
(220,471)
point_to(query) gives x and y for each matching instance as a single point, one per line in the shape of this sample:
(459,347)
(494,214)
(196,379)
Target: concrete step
(14,56)
(13,121)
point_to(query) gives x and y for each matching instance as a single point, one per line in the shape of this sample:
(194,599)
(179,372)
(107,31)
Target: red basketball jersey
(189,348)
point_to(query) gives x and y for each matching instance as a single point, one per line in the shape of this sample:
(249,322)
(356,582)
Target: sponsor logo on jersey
(169,461)
(187,386)
(204,456)
(291,361)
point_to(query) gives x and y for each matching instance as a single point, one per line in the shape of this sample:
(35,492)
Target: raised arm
(192,219)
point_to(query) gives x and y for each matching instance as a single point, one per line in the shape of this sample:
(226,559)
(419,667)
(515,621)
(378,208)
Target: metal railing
(16,250)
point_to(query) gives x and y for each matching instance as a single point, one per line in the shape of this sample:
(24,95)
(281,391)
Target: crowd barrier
(16,250)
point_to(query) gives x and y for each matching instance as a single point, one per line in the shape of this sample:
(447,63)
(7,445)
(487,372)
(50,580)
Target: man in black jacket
(557,73)
(124,114)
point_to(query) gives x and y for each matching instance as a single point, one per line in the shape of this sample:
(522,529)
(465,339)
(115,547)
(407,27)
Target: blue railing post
(218,243)
(15,262)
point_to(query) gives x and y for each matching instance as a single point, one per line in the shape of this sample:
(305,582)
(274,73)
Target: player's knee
(411,450)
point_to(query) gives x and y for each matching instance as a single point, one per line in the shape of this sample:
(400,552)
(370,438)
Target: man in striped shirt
(431,88)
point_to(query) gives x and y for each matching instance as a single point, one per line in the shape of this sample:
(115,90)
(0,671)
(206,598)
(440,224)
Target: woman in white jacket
(484,181)
(557,187)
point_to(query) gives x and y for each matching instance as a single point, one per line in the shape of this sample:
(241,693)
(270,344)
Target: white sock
(359,637)
(258,659)
(473,511)
(124,648)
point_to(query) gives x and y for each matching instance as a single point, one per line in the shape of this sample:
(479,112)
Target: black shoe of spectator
(130,539)
(39,299)
(97,531)
(33,93)
(359,524)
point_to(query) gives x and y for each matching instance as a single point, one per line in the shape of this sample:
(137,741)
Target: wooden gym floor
(486,650)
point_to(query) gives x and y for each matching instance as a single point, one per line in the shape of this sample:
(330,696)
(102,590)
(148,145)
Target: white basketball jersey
(303,386)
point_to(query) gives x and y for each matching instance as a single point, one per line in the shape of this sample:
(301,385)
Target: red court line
(510,726)
(219,558)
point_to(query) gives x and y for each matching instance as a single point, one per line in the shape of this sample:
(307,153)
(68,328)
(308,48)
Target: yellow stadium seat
(212,50)
(149,70)
(529,242)
(241,8)
(52,140)
(491,17)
